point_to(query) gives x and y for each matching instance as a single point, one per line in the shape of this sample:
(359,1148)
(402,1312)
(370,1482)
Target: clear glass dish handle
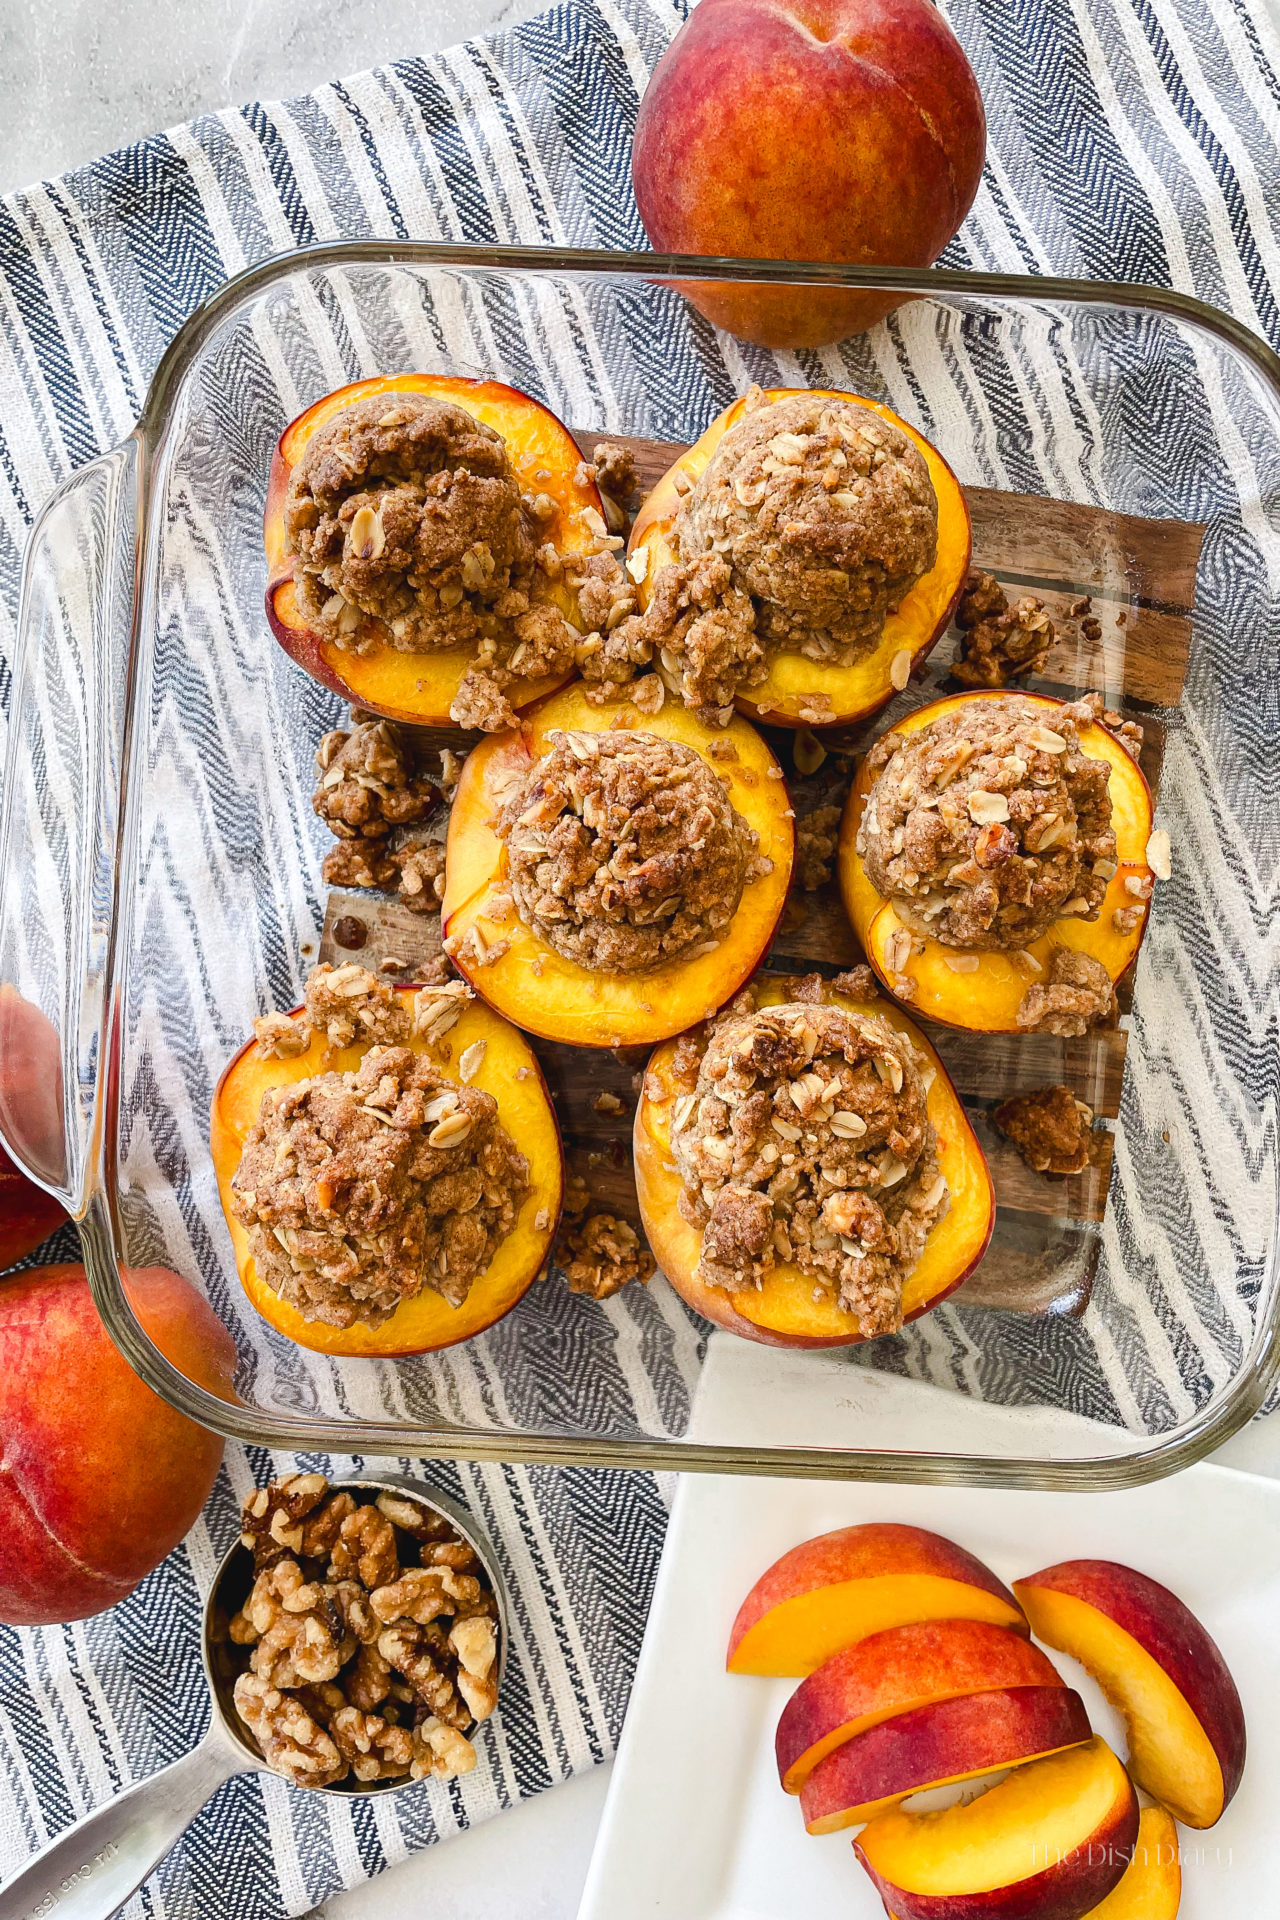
(60,820)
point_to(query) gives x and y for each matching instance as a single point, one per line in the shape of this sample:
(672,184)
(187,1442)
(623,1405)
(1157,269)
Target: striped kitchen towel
(1129,139)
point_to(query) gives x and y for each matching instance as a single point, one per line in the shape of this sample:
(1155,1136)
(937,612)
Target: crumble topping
(599,1253)
(999,642)
(1050,1128)
(407,528)
(805,1138)
(359,1189)
(376,802)
(1078,994)
(812,520)
(373,1637)
(989,824)
(624,850)
(817,836)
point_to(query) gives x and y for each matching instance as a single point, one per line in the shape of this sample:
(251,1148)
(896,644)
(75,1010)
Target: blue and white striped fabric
(1129,139)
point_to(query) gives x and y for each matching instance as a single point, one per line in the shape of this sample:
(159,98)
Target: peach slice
(1048,1843)
(783,1312)
(427,1321)
(921,619)
(986,999)
(940,1745)
(1152,1885)
(531,983)
(419,687)
(893,1673)
(1159,1668)
(842,1587)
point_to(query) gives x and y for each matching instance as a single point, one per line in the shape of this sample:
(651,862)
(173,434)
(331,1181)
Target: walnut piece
(1051,1129)
(360,1660)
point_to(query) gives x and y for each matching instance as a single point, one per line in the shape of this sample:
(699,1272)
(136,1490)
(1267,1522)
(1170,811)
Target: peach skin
(939,1745)
(1159,1668)
(892,1673)
(1048,1843)
(838,1588)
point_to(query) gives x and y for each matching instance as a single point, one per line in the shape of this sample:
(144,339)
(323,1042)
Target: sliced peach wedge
(1152,1885)
(1159,1667)
(842,1587)
(922,618)
(894,1672)
(427,1321)
(1050,1842)
(419,687)
(943,1744)
(544,991)
(783,1312)
(986,998)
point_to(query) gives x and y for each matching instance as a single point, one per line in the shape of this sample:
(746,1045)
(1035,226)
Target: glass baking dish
(161,861)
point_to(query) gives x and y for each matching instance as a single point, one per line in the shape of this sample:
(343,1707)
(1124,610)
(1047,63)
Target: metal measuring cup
(89,1871)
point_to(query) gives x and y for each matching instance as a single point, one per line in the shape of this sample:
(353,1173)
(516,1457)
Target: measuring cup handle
(90,1871)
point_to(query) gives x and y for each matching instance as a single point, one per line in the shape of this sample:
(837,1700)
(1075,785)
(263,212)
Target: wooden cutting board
(1131,644)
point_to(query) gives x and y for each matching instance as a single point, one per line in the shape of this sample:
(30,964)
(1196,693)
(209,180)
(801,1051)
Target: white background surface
(78,78)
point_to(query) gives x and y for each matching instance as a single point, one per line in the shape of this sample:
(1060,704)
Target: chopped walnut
(817,836)
(335,1687)
(440,1752)
(365,1549)
(1078,995)
(601,1255)
(1051,1129)
(291,1741)
(375,1748)
(272,1521)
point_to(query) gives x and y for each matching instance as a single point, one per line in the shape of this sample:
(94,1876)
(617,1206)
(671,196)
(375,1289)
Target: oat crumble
(990,823)
(1051,1129)
(803,1136)
(624,850)
(998,642)
(1077,995)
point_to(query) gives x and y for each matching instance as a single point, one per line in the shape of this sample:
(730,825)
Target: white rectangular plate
(696,1826)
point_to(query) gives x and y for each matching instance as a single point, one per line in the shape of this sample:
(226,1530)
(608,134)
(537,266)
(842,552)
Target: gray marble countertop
(80,77)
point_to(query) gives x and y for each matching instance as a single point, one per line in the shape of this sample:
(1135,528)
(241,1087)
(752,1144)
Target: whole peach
(847,130)
(99,1477)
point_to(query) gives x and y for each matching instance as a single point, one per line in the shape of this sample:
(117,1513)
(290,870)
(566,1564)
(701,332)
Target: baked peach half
(421,686)
(796,685)
(981,986)
(1160,1668)
(940,1745)
(894,1672)
(483,1051)
(1048,1843)
(786,1309)
(841,1588)
(609,782)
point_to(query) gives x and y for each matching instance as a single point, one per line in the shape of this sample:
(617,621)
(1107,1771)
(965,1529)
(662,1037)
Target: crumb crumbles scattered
(1077,994)
(1051,1129)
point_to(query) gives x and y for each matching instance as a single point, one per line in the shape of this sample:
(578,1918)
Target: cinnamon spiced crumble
(803,1137)
(624,850)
